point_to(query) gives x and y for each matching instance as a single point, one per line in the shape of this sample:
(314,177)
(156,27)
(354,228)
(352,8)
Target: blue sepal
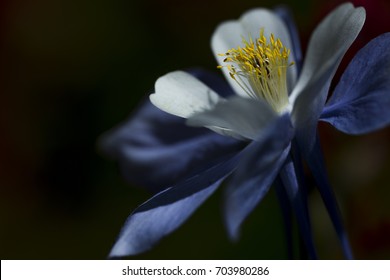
(258,168)
(166,211)
(361,100)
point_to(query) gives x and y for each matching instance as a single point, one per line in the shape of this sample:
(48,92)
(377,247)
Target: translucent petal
(325,51)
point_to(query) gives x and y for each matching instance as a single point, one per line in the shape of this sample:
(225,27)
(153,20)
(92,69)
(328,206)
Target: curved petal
(325,51)
(155,149)
(285,14)
(229,35)
(166,211)
(258,168)
(361,100)
(180,94)
(244,117)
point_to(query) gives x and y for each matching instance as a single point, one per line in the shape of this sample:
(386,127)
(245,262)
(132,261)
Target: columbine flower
(273,112)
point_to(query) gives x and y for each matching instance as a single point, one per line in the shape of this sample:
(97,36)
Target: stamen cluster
(260,69)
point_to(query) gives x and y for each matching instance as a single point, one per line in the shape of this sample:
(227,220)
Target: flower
(257,132)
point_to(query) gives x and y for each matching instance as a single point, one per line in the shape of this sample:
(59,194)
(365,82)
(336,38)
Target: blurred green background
(71,70)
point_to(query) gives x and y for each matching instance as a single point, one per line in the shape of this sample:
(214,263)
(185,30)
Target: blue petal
(317,166)
(361,100)
(258,168)
(285,14)
(299,203)
(155,149)
(167,210)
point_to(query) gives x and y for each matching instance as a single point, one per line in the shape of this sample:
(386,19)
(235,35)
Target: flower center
(260,69)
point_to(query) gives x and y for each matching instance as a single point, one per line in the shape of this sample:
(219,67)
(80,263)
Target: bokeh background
(70,70)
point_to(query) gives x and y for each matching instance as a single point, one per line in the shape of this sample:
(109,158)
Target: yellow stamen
(260,69)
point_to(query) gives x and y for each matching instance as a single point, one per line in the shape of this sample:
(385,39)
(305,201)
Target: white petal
(229,35)
(328,44)
(178,93)
(238,116)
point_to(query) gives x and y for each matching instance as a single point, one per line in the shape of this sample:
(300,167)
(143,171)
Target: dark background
(70,70)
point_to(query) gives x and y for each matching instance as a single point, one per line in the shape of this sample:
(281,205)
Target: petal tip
(233,230)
